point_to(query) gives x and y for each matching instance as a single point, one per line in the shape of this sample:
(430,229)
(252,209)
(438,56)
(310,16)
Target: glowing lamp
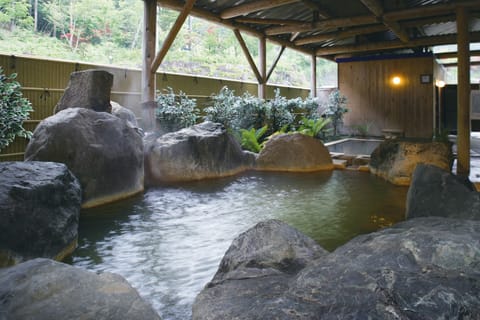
(396,80)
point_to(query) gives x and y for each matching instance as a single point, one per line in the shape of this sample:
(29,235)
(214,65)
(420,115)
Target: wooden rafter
(244,47)
(427,21)
(207,15)
(172,35)
(322,12)
(323,24)
(341,34)
(272,68)
(377,9)
(253,6)
(429,11)
(396,44)
(281,22)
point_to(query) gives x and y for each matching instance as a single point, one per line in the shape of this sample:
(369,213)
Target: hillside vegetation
(109,32)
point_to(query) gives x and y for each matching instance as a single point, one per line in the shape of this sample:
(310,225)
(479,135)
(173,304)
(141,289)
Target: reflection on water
(168,242)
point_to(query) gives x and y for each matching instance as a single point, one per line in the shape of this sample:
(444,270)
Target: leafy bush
(175,112)
(223,108)
(279,111)
(14,110)
(336,109)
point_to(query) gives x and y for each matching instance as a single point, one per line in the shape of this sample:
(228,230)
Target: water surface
(169,241)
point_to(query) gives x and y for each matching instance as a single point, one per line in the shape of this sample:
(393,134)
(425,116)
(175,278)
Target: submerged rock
(88,89)
(436,192)
(395,160)
(39,210)
(422,268)
(103,151)
(43,289)
(294,152)
(202,151)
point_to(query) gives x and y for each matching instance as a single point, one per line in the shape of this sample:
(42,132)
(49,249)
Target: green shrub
(14,110)
(175,112)
(223,107)
(279,112)
(336,108)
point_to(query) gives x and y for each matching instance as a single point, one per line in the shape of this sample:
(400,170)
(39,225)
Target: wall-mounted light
(396,81)
(440,83)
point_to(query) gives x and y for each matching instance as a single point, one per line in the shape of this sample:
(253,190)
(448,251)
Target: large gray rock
(436,192)
(39,209)
(425,268)
(395,160)
(103,151)
(124,113)
(87,89)
(202,151)
(294,152)
(43,289)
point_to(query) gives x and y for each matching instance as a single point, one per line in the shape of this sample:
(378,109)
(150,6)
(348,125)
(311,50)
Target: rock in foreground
(425,268)
(103,152)
(395,160)
(294,152)
(43,289)
(39,210)
(436,192)
(87,89)
(202,151)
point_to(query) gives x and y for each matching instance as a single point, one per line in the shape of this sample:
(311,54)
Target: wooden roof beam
(282,22)
(172,35)
(427,21)
(341,34)
(448,55)
(207,15)
(253,6)
(396,44)
(323,24)
(315,7)
(377,9)
(430,10)
(250,60)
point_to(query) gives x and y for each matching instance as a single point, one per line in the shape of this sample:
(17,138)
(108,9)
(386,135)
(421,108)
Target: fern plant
(14,110)
(250,139)
(315,128)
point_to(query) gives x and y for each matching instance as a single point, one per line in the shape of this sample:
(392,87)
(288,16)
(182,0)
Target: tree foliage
(109,32)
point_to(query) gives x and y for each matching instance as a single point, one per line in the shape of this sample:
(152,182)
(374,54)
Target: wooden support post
(272,68)
(244,47)
(172,34)
(262,52)
(148,77)
(463,95)
(313,81)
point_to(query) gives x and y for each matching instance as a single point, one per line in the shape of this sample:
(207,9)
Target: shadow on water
(169,241)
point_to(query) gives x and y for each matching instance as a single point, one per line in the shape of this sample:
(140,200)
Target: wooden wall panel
(374,100)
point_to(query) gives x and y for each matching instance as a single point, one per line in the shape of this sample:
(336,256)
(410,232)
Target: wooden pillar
(463,95)
(313,80)
(262,52)
(148,77)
